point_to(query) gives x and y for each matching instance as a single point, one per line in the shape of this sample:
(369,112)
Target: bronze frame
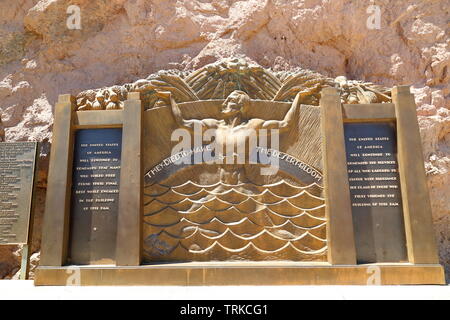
(55,235)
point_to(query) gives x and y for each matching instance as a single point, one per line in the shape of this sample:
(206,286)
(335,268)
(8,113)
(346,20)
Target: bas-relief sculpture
(229,211)
(226,214)
(217,211)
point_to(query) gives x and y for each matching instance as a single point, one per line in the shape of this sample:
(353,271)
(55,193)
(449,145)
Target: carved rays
(219,79)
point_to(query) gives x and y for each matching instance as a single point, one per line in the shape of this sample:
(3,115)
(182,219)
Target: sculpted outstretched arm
(188,124)
(288,120)
(177,114)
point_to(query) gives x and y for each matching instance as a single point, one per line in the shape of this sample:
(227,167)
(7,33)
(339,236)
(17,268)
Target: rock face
(121,41)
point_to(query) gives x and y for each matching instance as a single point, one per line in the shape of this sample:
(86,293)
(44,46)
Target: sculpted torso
(233,132)
(230,134)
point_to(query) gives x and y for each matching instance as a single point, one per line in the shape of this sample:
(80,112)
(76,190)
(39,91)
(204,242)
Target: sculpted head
(237,102)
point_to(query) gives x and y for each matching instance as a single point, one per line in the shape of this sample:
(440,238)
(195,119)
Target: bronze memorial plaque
(233,174)
(95,195)
(375,192)
(17,165)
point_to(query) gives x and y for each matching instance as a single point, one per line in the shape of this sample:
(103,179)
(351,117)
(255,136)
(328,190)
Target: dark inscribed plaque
(375,192)
(95,196)
(17,165)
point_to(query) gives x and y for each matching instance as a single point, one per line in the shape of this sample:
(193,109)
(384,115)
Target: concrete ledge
(241,274)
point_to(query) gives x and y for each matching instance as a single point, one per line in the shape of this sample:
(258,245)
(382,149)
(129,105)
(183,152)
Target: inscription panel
(95,196)
(375,192)
(17,164)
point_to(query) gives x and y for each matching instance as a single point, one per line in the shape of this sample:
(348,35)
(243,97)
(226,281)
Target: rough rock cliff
(123,40)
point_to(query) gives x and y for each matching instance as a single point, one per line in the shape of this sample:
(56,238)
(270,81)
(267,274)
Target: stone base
(240,273)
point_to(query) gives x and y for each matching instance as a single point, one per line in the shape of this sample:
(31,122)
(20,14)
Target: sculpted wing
(219,79)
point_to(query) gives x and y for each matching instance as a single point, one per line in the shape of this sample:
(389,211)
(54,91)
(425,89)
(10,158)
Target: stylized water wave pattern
(192,222)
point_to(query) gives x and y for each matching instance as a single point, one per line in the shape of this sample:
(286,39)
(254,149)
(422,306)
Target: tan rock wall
(124,40)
